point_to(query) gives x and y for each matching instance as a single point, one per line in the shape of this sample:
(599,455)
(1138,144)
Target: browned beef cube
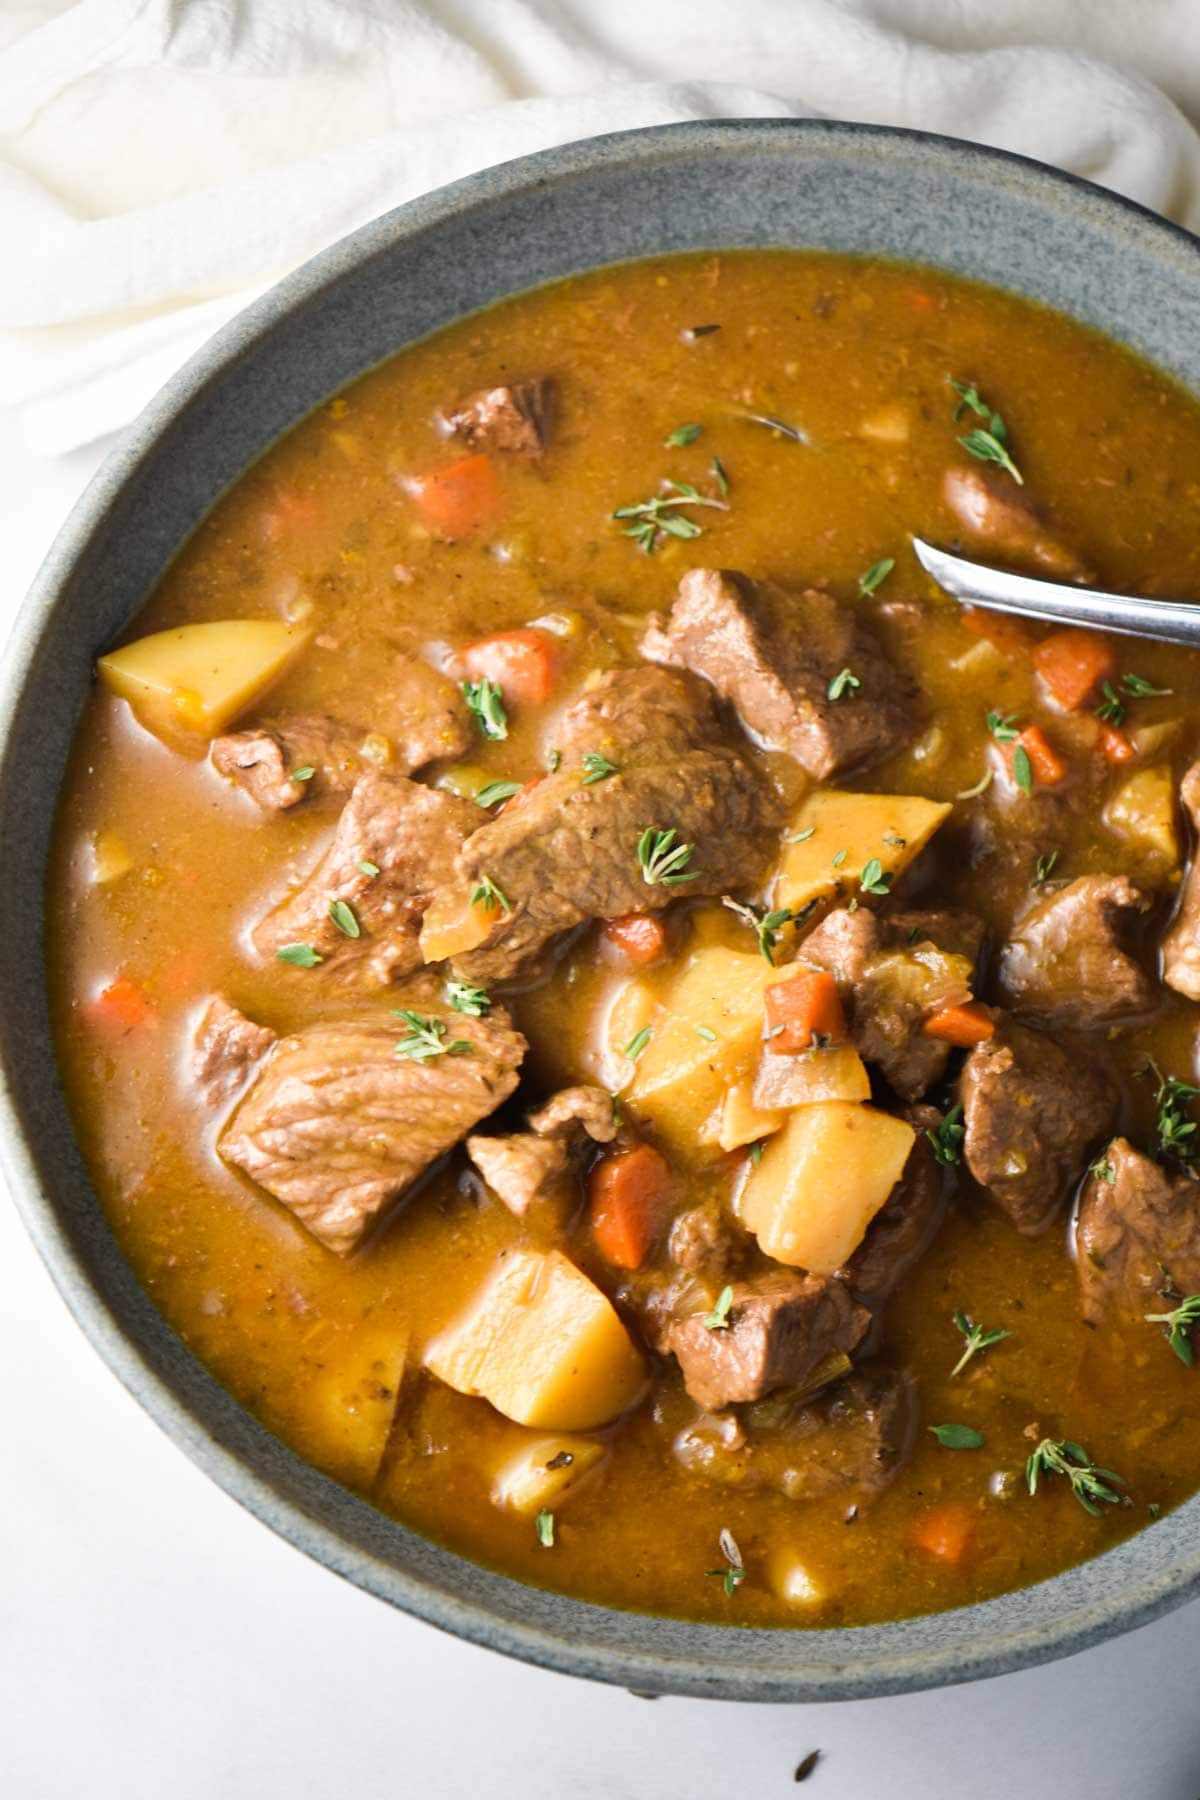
(1033,1112)
(777,658)
(532,1165)
(780,1329)
(395,842)
(1000,519)
(704,1241)
(514,417)
(1137,1236)
(902,1229)
(338,1125)
(1181,942)
(1065,963)
(225,1048)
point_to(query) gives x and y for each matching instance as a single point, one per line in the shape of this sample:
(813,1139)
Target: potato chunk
(351,1401)
(1142,811)
(543,1472)
(542,1343)
(810,1077)
(740,1121)
(198,678)
(821,1181)
(856,828)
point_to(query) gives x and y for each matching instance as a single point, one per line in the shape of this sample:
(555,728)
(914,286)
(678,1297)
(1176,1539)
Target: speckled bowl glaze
(720,185)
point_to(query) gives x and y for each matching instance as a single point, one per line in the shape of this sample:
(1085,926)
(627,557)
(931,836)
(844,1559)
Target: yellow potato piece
(198,678)
(741,1122)
(793,1579)
(1142,811)
(892,828)
(542,1473)
(821,1181)
(835,1073)
(543,1344)
(351,1401)
(111,858)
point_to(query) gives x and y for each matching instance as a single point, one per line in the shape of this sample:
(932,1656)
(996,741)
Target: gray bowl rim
(1123,1588)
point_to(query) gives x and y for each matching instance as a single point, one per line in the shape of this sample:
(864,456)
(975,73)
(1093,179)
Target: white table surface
(157,1643)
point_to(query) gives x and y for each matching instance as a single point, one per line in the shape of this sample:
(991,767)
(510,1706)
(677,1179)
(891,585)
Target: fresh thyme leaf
(876,575)
(545,1528)
(369,868)
(1003,727)
(1022,769)
(1175,1133)
(978,1339)
(596,767)
(989,443)
(1102,1169)
(873,880)
(1043,868)
(426,1037)
(981,787)
(493,792)
(683,435)
(1089,1483)
(734,1572)
(344,918)
(756,1152)
(947,1138)
(1179,1323)
(663,861)
(838,858)
(486,703)
(1112,707)
(799,837)
(1138,688)
(464,998)
(553,760)
(806,1765)
(704,1031)
(638,1042)
(304,774)
(844,686)
(656,515)
(968,397)
(489,896)
(720,475)
(765,925)
(958,1437)
(301,956)
(718,1318)
(771,423)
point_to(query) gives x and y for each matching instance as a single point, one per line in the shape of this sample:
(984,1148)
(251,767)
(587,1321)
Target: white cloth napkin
(161,161)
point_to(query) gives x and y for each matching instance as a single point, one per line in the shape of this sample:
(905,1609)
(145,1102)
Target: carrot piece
(964,1026)
(459,498)
(123,1005)
(1117,748)
(801,1006)
(630,1196)
(288,513)
(640,937)
(996,628)
(521,796)
(1072,665)
(1047,765)
(521,662)
(946,1531)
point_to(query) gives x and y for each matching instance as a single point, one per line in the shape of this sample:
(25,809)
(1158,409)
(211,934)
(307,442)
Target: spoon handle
(1058,603)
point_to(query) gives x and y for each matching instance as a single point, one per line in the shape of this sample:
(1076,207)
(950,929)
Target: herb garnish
(489,896)
(663,861)
(873,880)
(765,925)
(844,686)
(304,774)
(492,792)
(474,1001)
(1138,688)
(988,443)
(978,1339)
(301,956)
(981,787)
(1174,1132)
(838,858)
(553,759)
(799,837)
(1003,727)
(720,475)
(344,918)
(545,1528)
(597,767)
(1089,1483)
(707,1033)
(1112,707)
(1022,769)
(486,703)
(756,1151)
(1179,1323)
(734,1573)
(876,575)
(958,1437)
(773,424)
(638,1042)
(1102,1169)
(426,1037)
(1043,868)
(369,868)
(654,516)
(718,1319)
(682,436)
(806,1765)
(947,1138)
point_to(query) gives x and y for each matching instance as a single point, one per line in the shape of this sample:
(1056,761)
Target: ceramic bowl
(721,185)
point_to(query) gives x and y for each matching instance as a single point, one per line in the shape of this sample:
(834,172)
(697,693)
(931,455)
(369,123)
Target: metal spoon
(1061,603)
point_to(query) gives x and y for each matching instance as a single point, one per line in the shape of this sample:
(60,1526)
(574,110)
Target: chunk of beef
(775,655)
(1137,1235)
(338,1126)
(514,417)
(423,714)
(855,1435)
(645,714)
(891,981)
(704,1241)
(411,835)
(1181,942)
(1001,519)
(1065,964)
(903,1228)
(532,1165)
(225,1048)
(262,762)
(568,852)
(1033,1111)
(780,1329)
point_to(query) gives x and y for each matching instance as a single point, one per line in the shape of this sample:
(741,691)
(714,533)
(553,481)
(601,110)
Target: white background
(157,1643)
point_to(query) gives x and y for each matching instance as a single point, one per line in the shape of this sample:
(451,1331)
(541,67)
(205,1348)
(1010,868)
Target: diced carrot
(920,301)
(801,1006)
(946,1531)
(122,1005)
(997,628)
(640,937)
(964,1026)
(521,663)
(1117,748)
(1072,664)
(288,514)
(459,498)
(630,1197)
(1047,765)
